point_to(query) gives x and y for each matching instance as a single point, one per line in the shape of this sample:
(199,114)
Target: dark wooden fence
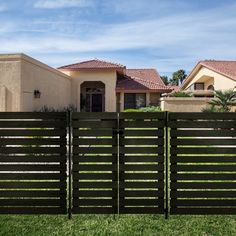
(203,163)
(120,163)
(33,163)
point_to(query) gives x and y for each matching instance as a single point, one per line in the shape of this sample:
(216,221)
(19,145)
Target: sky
(163,34)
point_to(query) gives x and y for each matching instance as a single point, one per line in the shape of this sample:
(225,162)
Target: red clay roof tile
(141,79)
(92,64)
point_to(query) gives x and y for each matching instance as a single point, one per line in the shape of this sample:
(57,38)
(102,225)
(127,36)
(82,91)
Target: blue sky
(164,34)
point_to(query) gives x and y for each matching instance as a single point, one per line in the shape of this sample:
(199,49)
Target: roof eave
(143,90)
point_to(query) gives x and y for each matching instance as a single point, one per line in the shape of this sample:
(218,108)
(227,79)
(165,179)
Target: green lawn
(117,225)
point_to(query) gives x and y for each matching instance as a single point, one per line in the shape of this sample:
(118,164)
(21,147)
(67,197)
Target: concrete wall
(10,71)
(186,104)
(55,87)
(220,82)
(107,77)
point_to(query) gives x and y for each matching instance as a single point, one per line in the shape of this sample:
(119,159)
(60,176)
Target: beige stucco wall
(3,98)
(186,104)
(10,71)
(122,101)
(20,75)
(155,99)
(107,77)
(208,76)
(55,87)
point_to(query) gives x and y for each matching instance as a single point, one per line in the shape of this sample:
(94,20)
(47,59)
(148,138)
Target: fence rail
(122,163)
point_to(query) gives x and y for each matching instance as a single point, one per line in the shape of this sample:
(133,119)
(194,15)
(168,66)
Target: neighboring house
(210,75)
(93,86)
(206,76)
(104,86)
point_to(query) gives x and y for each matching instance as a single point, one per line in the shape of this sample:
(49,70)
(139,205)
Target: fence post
(115,162)
(167,164)
(69,125)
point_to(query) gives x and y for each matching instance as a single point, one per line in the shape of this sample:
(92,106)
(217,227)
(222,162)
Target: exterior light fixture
(37,94)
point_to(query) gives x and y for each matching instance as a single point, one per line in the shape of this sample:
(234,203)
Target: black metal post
(69,164)
(167,165)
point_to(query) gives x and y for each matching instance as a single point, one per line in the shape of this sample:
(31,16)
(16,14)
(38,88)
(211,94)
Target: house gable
(222,77)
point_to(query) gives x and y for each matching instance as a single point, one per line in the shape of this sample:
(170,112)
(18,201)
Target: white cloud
(182,39)
(51,4)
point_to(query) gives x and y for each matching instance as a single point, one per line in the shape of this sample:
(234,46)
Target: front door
(96,102)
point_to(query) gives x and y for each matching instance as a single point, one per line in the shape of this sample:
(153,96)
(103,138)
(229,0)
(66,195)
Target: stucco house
(206,76)
(210,75)
(104,86)
(27,84)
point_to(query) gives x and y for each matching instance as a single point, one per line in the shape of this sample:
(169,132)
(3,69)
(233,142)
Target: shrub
(222,101)
(133,110)
(181,94)
(210,109)
(150,109)
(145,109)
(45,108)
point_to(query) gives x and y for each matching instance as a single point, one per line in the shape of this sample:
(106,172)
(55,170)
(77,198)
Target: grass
(129,225)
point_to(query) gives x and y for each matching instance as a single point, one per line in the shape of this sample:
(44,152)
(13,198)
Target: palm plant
(224,100)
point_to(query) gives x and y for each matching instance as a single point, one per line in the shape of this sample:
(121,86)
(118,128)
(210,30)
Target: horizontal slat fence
(95,150)
(141,163)
(33,163)
(118,162)
(203,163)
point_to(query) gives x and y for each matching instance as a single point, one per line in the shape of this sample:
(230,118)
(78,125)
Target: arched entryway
(92,96)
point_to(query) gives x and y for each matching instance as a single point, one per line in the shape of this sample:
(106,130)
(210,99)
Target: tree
(223,100)
(178,77)
(165,79)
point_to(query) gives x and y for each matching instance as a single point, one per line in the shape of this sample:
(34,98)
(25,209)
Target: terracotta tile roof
(141,80)
(92,64)
(146,74)
(227,68)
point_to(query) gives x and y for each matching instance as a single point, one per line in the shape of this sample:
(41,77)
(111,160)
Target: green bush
(212,109)
(181,94)
(62,109)
(145,109)
(133,110)
(222,101)
(150,109)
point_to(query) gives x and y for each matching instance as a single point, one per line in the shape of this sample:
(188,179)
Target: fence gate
(118,163)
(203,163)
(33,163)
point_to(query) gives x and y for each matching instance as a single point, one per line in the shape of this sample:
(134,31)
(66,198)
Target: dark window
(134,100)
(130,101)
(199,86)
